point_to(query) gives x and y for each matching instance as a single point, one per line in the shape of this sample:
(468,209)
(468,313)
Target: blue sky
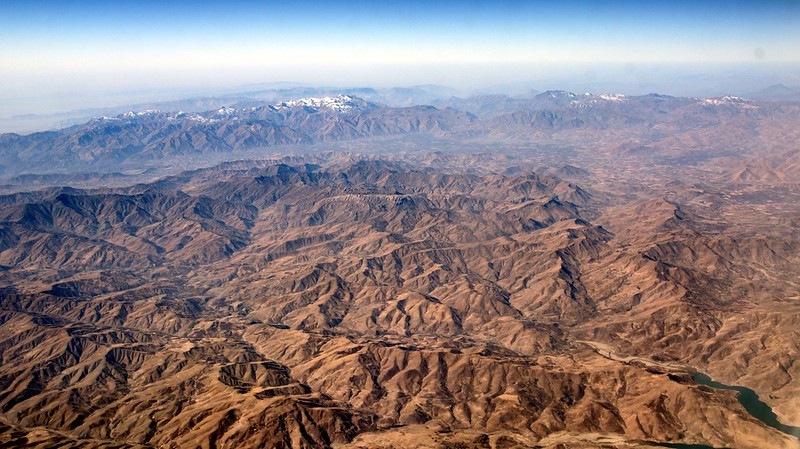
(61,46)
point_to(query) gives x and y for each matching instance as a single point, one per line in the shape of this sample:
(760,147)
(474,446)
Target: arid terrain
(490,273)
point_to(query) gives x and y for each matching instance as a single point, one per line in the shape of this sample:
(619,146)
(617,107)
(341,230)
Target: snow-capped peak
(104,118)
(728,99)
(588,100)
(149,112)
(339,103)
(558,94)
(613,97)
(225,110)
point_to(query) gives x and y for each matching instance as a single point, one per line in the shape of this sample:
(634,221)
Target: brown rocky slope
(376,305)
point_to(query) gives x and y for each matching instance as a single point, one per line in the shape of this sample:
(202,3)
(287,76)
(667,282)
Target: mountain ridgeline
(155,135)
(363,304)
(494,272)
(142,137)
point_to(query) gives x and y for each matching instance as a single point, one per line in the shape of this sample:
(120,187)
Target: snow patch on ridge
(729,100)
(613,97)
(339,103)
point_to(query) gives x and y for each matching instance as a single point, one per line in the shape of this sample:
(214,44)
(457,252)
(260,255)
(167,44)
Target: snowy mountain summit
(728,100)
(339,103)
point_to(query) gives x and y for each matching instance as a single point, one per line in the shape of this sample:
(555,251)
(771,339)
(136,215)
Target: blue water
(750,401)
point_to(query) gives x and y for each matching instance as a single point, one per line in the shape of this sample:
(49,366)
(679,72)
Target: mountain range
(550,272)
(135,138)
(158,135)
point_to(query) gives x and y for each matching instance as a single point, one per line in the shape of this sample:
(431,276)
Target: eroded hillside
(382,304)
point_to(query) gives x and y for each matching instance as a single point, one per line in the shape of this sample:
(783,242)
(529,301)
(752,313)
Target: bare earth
(523,297)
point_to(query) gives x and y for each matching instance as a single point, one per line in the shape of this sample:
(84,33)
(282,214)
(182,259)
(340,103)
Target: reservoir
(750,401)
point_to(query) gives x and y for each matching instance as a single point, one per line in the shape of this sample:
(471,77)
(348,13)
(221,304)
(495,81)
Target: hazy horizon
(58,57)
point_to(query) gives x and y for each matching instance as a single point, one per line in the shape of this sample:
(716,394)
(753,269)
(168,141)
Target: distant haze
(61,56)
